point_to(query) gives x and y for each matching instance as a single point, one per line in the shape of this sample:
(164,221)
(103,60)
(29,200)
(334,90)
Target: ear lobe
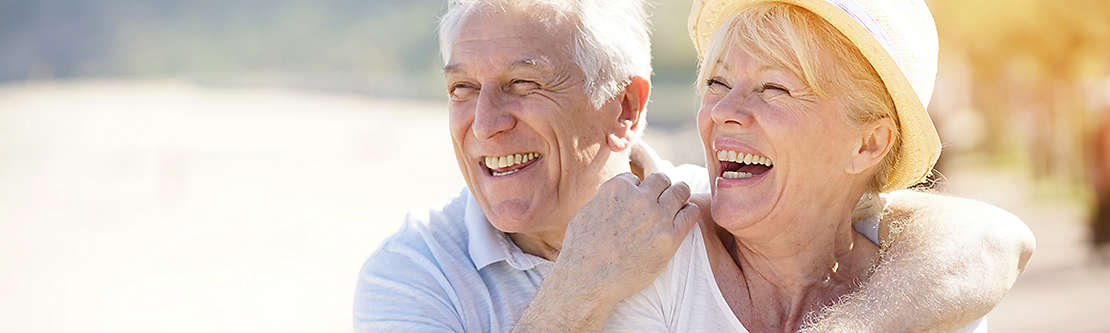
(617,143)
(874,144)
(631,118)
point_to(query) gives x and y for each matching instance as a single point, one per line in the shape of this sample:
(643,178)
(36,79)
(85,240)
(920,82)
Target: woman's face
(775,150)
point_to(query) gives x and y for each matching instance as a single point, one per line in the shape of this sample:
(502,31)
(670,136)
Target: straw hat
(898,37)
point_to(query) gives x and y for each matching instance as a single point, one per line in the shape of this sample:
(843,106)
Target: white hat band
(860,15)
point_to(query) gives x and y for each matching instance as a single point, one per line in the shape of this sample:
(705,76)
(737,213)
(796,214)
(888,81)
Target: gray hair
(612,42)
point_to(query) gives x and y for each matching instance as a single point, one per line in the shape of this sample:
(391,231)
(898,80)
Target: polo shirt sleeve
(402,289)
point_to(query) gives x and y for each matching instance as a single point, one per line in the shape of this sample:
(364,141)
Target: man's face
(531,146)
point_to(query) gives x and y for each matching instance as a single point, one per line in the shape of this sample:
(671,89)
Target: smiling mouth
(738,165)
(505,165)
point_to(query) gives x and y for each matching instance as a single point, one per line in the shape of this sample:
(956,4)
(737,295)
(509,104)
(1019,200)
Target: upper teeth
(738,157)
(501,162)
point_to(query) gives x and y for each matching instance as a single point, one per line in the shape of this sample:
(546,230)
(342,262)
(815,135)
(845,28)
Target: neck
(792,264)
(541,244)
(794,272)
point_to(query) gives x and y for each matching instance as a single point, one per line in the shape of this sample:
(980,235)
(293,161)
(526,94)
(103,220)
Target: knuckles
(625,193)
(656,178)
(620,183)
(681,191)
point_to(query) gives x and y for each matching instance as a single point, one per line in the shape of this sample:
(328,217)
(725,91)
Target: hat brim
(920,142)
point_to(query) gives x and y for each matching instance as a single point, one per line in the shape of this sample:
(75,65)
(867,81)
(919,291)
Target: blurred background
(226,166)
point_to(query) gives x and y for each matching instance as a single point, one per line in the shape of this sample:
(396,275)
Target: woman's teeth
(738,157)
(735,174)
(508,161)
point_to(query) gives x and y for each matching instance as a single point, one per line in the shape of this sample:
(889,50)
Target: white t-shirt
(685,296)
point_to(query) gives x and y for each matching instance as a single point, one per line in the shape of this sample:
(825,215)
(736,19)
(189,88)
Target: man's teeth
(501,162)
(495,173)
(735,174)
(738,157)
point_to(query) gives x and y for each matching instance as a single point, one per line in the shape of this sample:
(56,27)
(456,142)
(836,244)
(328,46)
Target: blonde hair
(795,38)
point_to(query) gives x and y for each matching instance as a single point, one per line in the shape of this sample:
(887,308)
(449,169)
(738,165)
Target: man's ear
(631,118)
(875,142)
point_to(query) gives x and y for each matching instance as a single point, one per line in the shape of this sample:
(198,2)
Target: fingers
(703,200)
(675,196)
(624,181)
(686,218)
(628,177)
(654,184)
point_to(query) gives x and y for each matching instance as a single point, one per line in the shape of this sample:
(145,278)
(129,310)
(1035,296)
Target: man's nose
(491,115)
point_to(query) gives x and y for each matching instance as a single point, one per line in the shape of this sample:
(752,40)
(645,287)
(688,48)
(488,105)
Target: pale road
(163,206)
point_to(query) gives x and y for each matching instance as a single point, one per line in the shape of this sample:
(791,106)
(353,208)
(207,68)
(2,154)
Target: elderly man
(547,100)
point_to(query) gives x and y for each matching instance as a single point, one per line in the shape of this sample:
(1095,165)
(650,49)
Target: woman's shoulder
(681,299)
(686,260)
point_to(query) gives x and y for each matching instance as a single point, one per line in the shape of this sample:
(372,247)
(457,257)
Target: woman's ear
(875,142)
(630,121)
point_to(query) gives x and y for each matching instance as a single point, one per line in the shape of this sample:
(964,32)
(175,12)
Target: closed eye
(773,88)
(461,91)
(523,87)
(711,83)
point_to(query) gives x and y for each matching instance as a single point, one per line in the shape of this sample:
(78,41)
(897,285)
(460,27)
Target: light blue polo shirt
(450,270)
(447,270)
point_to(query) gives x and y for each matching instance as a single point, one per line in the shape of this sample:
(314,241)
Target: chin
(511,225)
(735,211)
(513,216)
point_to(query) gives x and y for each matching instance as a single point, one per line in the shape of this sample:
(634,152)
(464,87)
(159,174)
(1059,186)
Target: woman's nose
(732,111)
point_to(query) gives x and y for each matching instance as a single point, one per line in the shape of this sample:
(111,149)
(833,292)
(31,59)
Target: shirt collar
(487,245)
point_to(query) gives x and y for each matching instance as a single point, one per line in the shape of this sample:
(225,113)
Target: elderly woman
(810,109)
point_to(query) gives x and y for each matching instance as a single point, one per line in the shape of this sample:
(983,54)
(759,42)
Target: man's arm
(403,287)
(400,292)
(945,262)
(566,302)
(615,246)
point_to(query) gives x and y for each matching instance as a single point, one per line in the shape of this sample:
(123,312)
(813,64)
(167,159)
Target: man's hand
(615,246)
(626,235)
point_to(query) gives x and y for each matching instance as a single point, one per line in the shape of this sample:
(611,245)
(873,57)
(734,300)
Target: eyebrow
(526,62)
(452,68)
(727,67)
(763,68)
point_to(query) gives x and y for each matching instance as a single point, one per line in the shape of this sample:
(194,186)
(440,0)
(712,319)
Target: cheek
(577,132)
(705,121)
(816,156)
(838,148)
(459,119)
(839,136)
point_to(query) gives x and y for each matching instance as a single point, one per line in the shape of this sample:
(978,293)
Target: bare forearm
(907,293)
(945,263)
(563,305)
(616,245)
